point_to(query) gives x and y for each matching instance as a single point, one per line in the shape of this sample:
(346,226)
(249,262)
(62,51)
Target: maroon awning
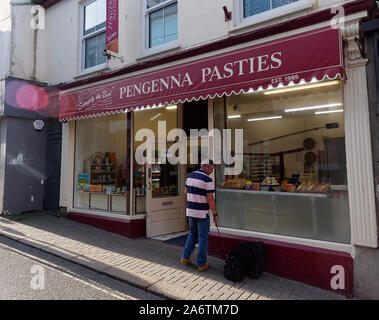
(313,55)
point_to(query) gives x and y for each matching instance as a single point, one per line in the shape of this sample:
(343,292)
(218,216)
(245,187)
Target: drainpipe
(35,39)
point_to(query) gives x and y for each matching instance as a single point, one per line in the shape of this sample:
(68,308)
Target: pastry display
(270,181)
(313,187)
(235,183)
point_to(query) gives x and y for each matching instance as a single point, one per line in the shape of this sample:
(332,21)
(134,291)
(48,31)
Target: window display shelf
(104,165)
(108,197)
(118,195)
(103,171)
(261,166)
(165,194)
(104,193)
(102,182)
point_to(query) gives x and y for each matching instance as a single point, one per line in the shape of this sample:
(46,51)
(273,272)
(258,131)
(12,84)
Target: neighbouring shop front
(30,136)
(292,192)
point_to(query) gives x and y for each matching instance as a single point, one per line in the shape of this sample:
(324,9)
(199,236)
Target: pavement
(30,274)
(148,264)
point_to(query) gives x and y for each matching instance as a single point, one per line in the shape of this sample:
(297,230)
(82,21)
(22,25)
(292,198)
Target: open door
(165,199)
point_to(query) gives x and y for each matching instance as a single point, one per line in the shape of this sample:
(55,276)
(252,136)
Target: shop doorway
(162,183)
(165,200)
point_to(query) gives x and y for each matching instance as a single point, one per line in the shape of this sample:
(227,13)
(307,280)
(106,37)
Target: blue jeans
(199,229)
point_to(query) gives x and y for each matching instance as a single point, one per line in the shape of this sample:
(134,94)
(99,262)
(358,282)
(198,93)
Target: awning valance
(313,55)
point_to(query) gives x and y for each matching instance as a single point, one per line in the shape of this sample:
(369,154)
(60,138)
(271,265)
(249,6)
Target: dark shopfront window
(294,179)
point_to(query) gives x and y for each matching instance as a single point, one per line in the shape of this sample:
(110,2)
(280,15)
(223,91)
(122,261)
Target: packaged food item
(290,187)
(112,157)
(110,190)
(248,185)
(256,186)
(83,178)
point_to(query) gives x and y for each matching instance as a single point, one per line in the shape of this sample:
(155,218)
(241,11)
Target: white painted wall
(62,42)
(5,37)
(22,48)
(199,22)
(17,56)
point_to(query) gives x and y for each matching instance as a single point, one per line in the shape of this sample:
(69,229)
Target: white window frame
(82,69)
(241,22)
(146,51)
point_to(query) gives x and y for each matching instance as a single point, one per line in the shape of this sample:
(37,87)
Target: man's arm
(212,206)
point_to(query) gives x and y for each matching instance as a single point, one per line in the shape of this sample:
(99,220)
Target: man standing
(199,190)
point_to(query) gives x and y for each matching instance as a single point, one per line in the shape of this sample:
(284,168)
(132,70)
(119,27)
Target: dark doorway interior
(195,115)
(53,163)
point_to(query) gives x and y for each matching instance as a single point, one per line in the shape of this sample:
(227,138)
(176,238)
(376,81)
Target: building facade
(367,258)
(30,132)
(290,75)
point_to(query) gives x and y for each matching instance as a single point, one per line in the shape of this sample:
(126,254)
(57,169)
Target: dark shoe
(205,267)
(186,261)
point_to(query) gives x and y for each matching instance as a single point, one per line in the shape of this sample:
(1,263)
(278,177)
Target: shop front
(109,183)
(293,189)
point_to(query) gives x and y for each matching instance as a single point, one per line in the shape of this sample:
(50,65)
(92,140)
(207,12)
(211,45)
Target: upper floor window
(161,21)
(252,7)
(250,12)
(93,33)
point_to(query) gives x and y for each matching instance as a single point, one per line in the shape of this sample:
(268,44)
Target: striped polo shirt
(198,184)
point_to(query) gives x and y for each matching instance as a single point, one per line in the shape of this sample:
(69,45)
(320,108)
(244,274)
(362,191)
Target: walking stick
(222,241)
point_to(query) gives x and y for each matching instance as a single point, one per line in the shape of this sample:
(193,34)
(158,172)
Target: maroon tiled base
(297,262)
(128,228)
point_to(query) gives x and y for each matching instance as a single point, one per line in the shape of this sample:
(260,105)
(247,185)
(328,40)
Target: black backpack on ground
(245,259)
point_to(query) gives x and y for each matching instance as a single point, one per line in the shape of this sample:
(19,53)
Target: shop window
(93,33)
(165,177)
(161,23)
(252,7)
(101,164)
(294,179)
